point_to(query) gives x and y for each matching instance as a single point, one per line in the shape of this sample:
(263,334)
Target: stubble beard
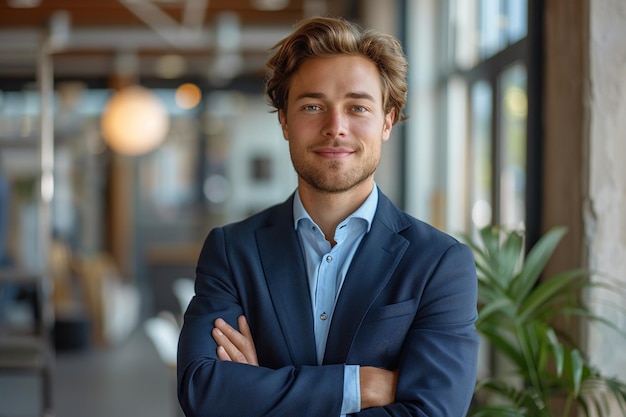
(332,178)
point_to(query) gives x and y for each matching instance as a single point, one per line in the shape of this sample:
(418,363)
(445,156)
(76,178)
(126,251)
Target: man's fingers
(226,328)
(221,340)
(244,328)
(236,346)
(222,354)
(227,348)
(238,339)
(248,348)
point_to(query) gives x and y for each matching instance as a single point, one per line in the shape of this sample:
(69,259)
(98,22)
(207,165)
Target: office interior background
(130,128)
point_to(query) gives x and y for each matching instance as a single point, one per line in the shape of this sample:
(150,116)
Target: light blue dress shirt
(326,270)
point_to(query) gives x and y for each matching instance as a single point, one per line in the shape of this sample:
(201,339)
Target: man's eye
(359,109)
(311,107)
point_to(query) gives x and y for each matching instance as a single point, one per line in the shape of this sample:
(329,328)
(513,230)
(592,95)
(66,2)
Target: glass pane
(513,113)
(463,24)
(481,28)
(500,23)
(490,28)
(481,118)
(456,155)
(517,19)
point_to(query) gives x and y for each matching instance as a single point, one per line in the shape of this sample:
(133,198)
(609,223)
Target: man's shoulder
(411,227)
(270,215)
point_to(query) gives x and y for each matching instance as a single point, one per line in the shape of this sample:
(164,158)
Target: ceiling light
(188,96)
(134,121)
(170,66)
(24,4)
(270,4)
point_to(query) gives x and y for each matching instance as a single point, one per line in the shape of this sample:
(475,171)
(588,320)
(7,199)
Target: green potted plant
(547,374)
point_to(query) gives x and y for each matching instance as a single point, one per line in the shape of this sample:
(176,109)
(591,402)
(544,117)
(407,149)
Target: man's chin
(334,186)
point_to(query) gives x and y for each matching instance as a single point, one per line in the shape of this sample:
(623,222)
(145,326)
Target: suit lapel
(365,278)
(285,273)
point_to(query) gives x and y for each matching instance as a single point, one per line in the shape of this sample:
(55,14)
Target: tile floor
(126,381)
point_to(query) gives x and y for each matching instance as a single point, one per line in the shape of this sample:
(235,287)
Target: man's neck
(329,209)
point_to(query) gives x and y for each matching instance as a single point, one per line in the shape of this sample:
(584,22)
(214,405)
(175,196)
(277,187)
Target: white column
(605,213)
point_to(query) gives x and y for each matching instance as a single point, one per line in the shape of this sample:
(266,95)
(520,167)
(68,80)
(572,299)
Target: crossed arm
(378,386)
(435,347)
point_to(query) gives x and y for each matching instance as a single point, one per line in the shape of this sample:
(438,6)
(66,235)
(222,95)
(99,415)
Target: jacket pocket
(381,336)
(392,311)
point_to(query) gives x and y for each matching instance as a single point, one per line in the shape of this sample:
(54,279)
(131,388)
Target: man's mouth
(334,153)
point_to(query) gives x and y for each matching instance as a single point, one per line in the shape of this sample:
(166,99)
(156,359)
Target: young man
(334,302)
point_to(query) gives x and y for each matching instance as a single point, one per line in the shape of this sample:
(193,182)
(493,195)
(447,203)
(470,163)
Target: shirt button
(329,259)
(323,316)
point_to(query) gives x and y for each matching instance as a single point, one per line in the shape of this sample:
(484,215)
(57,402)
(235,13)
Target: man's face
(335,123)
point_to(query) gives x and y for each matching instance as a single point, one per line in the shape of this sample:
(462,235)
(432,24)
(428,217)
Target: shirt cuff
(351,390)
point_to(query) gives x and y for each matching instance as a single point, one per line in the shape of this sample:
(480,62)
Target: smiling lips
(334,153)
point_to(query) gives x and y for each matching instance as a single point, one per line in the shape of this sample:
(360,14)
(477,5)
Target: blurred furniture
(164,328)
(112,300)
(165,264)
(25,345)
(184,290)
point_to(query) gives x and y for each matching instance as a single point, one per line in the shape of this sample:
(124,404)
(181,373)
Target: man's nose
(335,123)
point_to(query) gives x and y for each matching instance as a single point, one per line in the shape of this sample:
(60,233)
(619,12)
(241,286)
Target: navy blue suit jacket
(408,302)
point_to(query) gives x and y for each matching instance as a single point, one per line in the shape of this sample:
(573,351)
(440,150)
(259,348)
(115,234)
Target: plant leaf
(515,313)
(536,261)
(509,258)
(557,351)
(502,344)
(563,284)
(498,305)
(577,365)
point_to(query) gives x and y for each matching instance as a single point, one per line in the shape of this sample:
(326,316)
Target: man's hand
(378,386)
(233,345)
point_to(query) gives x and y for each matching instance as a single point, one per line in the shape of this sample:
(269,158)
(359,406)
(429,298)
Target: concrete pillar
(605,209)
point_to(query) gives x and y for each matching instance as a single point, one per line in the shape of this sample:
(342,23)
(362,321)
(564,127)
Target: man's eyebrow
(310,95)
(355,94)
(360,95)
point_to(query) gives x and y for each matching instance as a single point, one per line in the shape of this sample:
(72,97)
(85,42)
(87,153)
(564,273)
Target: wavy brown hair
(327,36)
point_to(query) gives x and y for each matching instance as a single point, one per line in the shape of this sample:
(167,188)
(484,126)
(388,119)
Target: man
(334,302)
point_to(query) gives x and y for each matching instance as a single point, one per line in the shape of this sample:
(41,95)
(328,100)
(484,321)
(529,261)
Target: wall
(584,185)
(564,166)
(605,214)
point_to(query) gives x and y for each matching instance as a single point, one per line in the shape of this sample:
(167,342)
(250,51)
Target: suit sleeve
(210,387)
(438,360)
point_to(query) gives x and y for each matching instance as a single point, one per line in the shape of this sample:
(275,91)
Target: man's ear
(283,123)
(388,124)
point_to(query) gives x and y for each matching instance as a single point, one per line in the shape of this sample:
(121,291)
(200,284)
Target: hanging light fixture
(188,96)
(135,121)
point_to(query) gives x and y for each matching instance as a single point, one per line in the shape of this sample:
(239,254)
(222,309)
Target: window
(470,72)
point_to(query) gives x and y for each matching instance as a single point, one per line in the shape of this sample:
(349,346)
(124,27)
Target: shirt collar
(366,211)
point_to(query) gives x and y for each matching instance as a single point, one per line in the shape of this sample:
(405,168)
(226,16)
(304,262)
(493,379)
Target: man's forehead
(346,76)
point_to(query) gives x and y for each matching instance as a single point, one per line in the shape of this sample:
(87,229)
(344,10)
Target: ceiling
(216,39)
